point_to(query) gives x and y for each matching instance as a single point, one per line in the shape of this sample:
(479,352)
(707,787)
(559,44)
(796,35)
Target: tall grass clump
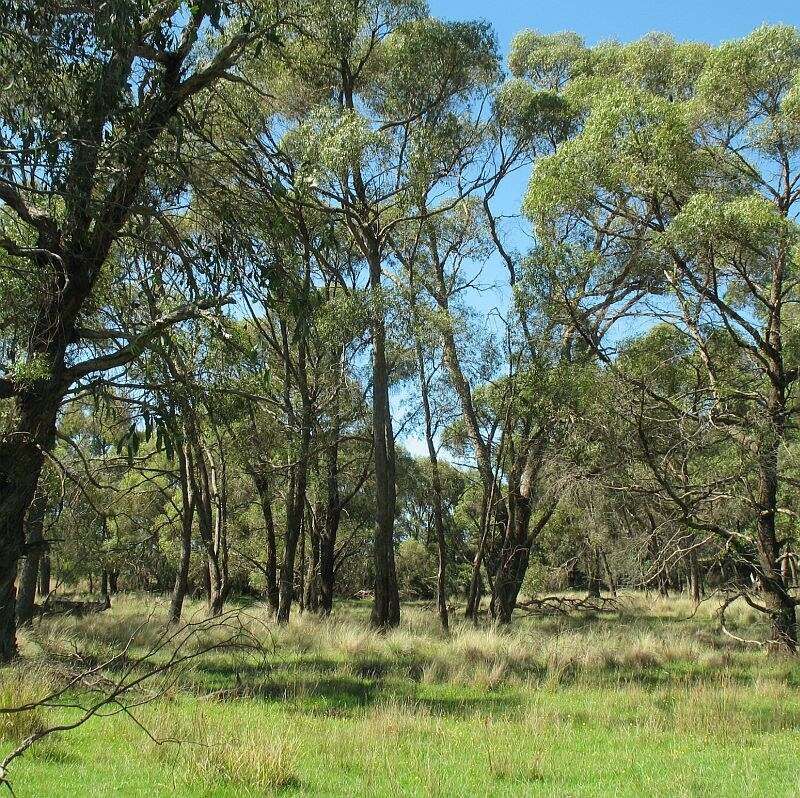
(21,687)
(253,764)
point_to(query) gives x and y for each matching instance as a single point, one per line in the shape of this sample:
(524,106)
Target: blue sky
(707,20)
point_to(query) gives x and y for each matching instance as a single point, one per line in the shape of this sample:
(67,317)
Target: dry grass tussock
(22,685)
(205,749)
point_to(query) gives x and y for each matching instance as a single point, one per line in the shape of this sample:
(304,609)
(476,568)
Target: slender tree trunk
(776,596)
(210,508)
(301,593)
(187,520)
(105,595)
(475,591)
(295,508)
(271,565)
(330,529)
(438,515)
(593,571)
(494,509)
(30,566)
(612,582)
(695,578)
(317,521)
(386,603)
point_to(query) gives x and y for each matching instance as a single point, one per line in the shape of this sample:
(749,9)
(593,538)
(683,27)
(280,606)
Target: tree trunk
(271,566)
(295,507)
(612,582)
(312,576)
(44,575)
(695,579)
(104,591)
(494,509)
(515,551)
(210,508)
(187,520)
(330,529)
(475,591)
(777,599)
(593,571)
(21,461)
(301,593)
(438,515)
(29,574)
(386,603)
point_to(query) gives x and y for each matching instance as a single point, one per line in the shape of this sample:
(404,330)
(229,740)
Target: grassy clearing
(638,703)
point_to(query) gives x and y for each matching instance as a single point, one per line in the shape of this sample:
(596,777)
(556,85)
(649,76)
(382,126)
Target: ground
(651,700)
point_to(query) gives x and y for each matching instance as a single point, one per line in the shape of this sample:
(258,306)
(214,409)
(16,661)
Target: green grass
(640,703)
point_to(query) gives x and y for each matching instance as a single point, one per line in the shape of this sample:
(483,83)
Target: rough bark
(21,460)
(386,603)
(516,549)
(29,573)
(777,599)
(44,576)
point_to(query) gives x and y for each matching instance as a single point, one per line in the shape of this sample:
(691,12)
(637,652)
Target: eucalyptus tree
(90,114)
(680,185)
(371,117)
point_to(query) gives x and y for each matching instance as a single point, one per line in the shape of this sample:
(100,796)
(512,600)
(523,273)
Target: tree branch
(137,344)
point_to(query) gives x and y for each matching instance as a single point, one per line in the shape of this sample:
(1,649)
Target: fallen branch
(563,605)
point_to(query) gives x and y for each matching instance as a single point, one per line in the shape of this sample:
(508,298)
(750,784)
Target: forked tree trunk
(210,508)
(515,552)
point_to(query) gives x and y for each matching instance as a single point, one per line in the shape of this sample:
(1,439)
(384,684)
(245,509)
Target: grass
(645,702)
